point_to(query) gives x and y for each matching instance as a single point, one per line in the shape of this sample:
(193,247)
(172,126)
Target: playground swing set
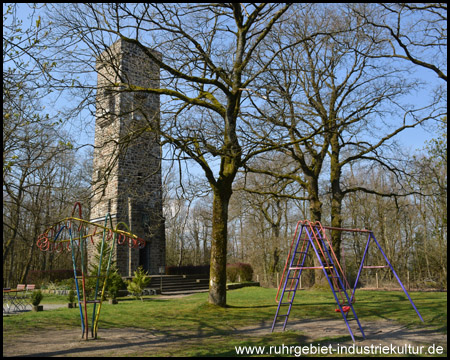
(73,233)
(312,235)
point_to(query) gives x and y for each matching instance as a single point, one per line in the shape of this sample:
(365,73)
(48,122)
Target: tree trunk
(315,205)
(336,195)
(30,256)
(205,243)
(315,209)
(218,273)
(336,221)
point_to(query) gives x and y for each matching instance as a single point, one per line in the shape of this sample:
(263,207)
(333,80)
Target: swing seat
(344,309)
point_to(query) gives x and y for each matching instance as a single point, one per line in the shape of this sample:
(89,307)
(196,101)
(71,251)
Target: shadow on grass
(251,307)
(205,343)
(125,300)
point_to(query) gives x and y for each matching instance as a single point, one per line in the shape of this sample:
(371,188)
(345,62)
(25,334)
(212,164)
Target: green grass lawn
(246,306)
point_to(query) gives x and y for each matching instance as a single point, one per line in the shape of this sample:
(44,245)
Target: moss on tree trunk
(218,274)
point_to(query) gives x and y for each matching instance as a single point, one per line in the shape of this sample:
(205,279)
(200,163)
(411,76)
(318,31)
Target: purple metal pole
(331,285)
(360,268)
(398,279)
(341,283)
(280,300)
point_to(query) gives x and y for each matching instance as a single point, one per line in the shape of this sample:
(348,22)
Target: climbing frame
(309,235)
(312,235)
(73,234)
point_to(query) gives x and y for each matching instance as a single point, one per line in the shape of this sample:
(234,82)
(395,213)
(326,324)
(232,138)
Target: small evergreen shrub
(140,281)
(114,283)
(36,297)
(71,296)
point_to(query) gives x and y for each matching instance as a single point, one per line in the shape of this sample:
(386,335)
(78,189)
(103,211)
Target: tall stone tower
(127,154)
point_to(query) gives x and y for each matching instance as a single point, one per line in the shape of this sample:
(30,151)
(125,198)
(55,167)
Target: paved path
(141,342)
(28,308)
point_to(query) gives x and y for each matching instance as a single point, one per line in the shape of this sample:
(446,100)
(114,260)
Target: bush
(114,284)
(139,282)
(245,271)
(36,297)
(232,272)
(71,296)
(66,284)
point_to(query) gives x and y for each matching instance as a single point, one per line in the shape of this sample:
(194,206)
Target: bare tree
(413,32)
(411,229)
(263,206)
(208,53)
(329,96)
(34,146)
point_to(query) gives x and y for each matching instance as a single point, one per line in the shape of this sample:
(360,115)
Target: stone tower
(127,154)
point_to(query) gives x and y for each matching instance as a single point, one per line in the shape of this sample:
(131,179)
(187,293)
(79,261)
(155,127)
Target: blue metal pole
(342,285)
(75,277)
(285,283)
(395,274)
(360,268)
(297,281)
(331,285)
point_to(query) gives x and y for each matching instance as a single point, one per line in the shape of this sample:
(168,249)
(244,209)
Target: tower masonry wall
(127,155)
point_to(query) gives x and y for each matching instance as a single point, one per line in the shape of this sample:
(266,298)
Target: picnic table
(17,299)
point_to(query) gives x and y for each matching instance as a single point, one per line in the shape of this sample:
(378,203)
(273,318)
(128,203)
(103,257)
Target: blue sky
(412,139)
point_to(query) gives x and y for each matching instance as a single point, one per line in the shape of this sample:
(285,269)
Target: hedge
(245,271)
(40,277)
(188,270)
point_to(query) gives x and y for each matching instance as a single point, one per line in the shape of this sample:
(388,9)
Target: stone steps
(178,284)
